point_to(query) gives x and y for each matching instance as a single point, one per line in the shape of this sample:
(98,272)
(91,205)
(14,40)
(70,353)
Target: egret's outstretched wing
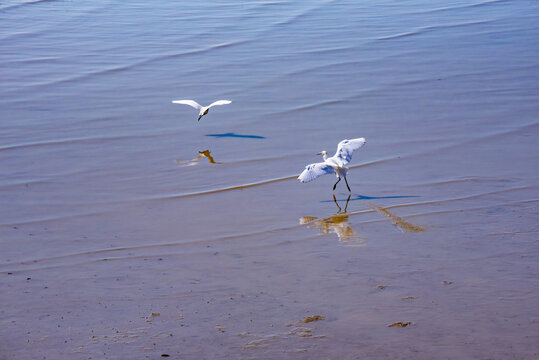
(313,171)
(219,102)
(188,102)
(347,147)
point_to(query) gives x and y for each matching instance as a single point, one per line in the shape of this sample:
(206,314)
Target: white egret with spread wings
(335,164)
(203,110)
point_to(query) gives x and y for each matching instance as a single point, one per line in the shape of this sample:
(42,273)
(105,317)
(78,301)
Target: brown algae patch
(260,342)
(309,319)
(397,220)
(220,328)
(301,332)
(400,324)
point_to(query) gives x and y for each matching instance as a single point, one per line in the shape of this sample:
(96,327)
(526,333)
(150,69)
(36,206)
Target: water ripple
(10,6)
(144,62)
(68,141)
(458,7)
(425,29)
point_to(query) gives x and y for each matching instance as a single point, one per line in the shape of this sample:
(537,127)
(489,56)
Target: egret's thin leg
(347,200)
(346,184)
(336,203)
(334,186)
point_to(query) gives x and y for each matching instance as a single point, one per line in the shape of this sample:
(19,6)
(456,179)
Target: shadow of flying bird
(236,136)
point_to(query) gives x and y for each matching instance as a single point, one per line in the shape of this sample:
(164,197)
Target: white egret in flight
(203,110)
(335,164)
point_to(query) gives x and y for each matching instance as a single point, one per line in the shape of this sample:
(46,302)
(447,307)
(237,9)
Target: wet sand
(130,230)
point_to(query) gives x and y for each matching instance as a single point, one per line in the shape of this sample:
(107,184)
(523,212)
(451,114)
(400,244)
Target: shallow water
(130,230)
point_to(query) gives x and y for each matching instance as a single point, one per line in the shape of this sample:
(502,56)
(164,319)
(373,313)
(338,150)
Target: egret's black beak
(199,117)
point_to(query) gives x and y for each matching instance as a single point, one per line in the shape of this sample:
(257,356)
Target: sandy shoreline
(129,230)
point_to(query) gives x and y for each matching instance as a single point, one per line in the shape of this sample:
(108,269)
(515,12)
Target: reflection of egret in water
(201,154)
(337,223)
(340,225)
(396,220)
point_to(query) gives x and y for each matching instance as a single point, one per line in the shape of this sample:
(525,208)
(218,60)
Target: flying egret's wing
(313,171)
(347,147)
(188,102)
(219,102)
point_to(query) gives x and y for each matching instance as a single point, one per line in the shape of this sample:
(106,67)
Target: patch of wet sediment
(216,245)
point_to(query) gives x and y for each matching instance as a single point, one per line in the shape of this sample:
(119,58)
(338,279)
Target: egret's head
(324,152)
